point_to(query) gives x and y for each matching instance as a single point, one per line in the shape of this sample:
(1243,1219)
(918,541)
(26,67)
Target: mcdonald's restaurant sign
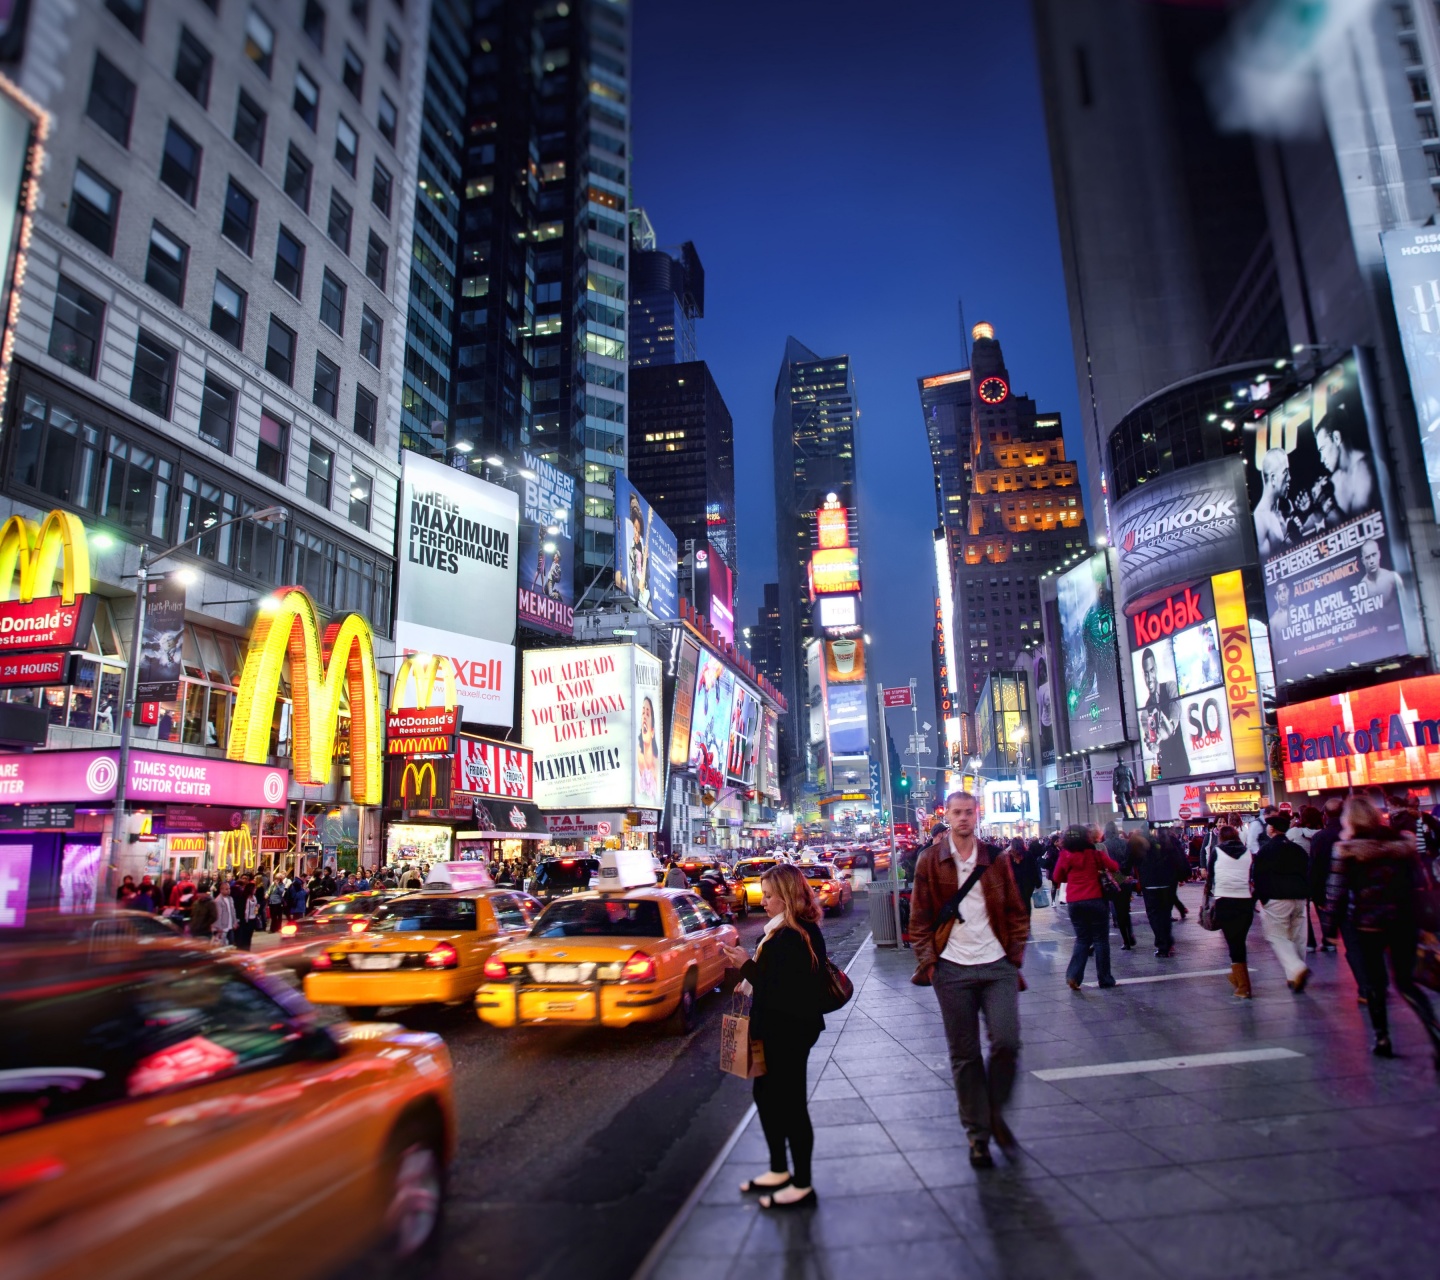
(31,557)
(321,669)
(426,729)
(421,784)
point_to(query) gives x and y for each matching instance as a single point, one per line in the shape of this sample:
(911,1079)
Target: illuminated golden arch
(424,669)
(288,626)
(37,551)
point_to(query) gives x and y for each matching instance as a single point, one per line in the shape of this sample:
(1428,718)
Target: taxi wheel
(415,1197)
(744,911)
(362,1012)
(682,1021)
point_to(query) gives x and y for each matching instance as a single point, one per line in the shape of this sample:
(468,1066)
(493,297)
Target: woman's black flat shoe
(809,1198)
(747,1188)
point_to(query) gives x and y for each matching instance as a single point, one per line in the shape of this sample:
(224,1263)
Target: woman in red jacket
(1079,867)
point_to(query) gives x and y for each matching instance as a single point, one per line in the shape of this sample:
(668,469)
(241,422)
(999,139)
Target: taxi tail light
(442,956)
(289,930)
(322,961)
(639,968)
(359,926)
(496,968)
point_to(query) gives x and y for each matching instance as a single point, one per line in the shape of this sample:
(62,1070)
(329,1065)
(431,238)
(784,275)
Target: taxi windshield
(407,914)
(600,918)
(694,870)
(567,873)
(750,870)
(359,907)
(816,873)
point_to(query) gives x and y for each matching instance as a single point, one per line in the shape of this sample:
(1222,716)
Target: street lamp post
(266,515)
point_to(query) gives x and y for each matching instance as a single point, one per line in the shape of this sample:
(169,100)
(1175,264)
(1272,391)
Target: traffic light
(904,780)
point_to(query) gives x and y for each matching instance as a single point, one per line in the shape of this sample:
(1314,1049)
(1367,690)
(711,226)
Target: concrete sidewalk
(1297,1153)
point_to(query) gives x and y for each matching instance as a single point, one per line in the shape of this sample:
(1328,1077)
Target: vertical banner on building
(1242,689)
(684,702)
(650,732)
(710,721)
(545,594)
(1086,605)
(646,553)
(1412,257)
(162,641)
(456,590)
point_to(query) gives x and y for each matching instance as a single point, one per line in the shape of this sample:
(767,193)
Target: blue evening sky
(847,171)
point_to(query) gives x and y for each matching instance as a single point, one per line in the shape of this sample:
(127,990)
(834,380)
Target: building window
(153,381)
(165,264)
(372,330)
(386,119)
(347,144)
(352,72)
(193,65)
(392,50)
(227,311)
(289,261)
(93,206)
(332,303)
(377,257)
(1419,86)
(339,224)
(307,97)
(180,163)
(313,23)
(270,461)
(259,42)
(75,331)
(217,412)
(317,474)
(327,385)
(381,187)
(112,99)
(360,11)
(238,225)
(360,488)
(131,14)
(280,352)
(297,178)
(250,127)
(366,413)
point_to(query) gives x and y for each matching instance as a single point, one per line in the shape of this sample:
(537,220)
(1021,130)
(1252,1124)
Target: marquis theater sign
(1386,735)
(31,557)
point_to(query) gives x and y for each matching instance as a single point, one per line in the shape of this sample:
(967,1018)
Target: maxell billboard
(456,595)
(1181,526)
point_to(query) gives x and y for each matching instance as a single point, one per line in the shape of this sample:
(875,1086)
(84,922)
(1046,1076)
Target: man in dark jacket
(1281,874)
(203,915)
(1118,847)
(1155,870)
(1322,851)
(971,952)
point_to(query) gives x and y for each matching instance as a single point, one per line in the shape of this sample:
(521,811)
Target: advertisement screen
(646,553)
(1012,802)
(834,572)
(1387,735)
(685,665)
(1414,267)
(1180,687)
(161,641)
(844,661)
(770,756)
(744,737)
(1086,603)
(546,591)
(815,700)
(710,720)
(846,720)
(839,615)
(486,768)
(1337,581)
(584,719)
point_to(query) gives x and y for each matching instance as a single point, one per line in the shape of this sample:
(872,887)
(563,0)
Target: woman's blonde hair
(797,898)
(1361,815)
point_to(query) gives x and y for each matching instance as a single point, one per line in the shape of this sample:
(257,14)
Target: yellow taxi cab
(748,873)
(832,890)
(640,953)
(165,1108)
(428,947)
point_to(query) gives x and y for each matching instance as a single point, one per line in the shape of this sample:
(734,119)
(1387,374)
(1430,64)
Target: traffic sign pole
(883,700)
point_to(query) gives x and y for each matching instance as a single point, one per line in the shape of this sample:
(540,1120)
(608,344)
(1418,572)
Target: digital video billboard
(646,553)
(846,720)
(710,720)
(744,737)
(1086,601)
(686,663)
(546,587)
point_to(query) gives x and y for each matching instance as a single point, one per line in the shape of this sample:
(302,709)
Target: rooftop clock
(993,390)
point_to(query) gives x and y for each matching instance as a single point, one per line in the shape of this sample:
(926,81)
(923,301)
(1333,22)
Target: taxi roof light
(442,956)
(639,968)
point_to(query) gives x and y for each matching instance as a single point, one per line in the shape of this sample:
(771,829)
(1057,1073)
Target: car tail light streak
(289,930)
(442,956)
(359,926)
(639,968)
(496,969)
(322,961)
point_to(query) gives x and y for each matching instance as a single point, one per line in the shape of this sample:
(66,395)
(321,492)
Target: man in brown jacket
(971,953)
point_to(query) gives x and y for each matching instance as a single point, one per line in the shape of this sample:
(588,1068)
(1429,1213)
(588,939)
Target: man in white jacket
(224,915)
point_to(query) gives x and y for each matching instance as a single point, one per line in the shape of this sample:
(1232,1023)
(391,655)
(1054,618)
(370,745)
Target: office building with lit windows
(212,321)
(539,359)
(667,297)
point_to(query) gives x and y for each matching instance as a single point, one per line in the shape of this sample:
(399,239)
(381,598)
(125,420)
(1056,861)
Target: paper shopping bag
(739,1054)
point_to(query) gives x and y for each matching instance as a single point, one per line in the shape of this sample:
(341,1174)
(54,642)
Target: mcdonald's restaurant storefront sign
(421,784)
(87,779)
(321,668)
(31,558)
(427,728)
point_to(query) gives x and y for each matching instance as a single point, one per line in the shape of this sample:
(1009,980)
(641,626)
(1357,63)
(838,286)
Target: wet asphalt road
(577,1147)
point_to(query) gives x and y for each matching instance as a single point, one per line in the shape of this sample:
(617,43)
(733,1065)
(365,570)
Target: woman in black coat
(786,977)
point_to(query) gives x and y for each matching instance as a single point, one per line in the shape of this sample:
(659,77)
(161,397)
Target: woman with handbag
(788,976)
(1228,884)
(1376,887)
(1084,869)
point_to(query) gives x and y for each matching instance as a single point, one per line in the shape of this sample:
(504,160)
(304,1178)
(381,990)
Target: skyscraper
(1024,516)
(945,406)
(667,297)
(540,341)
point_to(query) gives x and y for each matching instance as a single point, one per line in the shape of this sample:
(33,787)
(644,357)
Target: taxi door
(701,939)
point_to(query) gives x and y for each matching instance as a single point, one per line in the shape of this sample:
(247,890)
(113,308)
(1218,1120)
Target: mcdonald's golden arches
(38,551)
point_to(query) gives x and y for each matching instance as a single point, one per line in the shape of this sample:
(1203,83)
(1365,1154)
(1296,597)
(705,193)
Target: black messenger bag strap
(952,908)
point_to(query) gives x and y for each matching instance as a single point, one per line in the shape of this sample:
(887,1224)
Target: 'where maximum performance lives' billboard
(1338,588)
(457,573)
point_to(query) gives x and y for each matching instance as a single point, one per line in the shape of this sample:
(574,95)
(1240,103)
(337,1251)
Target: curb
(657,1251)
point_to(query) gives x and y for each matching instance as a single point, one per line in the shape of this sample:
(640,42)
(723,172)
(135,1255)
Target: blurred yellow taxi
(167,1111)
(749,872)
(832,890)
(428,947)
(609,959)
